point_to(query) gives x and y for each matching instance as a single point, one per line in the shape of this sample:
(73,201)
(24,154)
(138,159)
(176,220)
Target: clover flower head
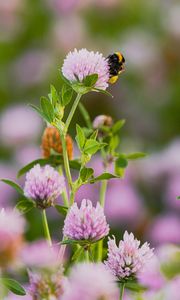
(85,223)
(102,120)
(44,185)
(46,285)
(91,281)
(129,258)
(80,63)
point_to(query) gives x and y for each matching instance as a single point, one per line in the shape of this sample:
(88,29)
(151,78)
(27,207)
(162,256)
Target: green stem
(66,161)
(87,255)
(122,291)
(72,111)
(46,228)
(72,197)
(64,193)
(102,202)
(103,192)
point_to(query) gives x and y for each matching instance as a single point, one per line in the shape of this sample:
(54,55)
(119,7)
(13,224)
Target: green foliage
(80,138)
(53,160)
(86,173)
(13,286)
(104,176)
(47,109)
(136,155)
(62,209)
(90,80)
(14,185)
(25,205)
(66,95)
(120,165)
(117,126)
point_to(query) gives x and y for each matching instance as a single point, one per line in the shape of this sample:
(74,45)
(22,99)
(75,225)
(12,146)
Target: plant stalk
(102,197)
(66,161)
(122,291)
(64,193)
(46,228)
(72,111)
(87,255)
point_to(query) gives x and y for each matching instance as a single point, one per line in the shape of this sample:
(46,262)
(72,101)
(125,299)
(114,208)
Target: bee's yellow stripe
(119,56)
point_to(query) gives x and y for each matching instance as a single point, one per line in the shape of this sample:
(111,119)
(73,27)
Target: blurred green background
(35,36)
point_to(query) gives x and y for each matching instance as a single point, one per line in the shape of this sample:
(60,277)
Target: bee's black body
(116,65)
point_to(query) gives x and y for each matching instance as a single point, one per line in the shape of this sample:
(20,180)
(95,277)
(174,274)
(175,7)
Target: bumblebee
(116,63)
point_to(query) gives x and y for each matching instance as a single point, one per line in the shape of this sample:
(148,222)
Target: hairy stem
(46,228)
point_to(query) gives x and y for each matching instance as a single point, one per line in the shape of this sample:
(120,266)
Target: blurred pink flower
(128,258)
(26,154)
(69,32)
(164,229)
(141,48)
(81,63)
(90,281)
(10,22)
(39,255)
(123,204)
(46,285)
(12,226)
(85,223)
(15,297)
(63,7)
(25,125)
(151,276)
(32,67)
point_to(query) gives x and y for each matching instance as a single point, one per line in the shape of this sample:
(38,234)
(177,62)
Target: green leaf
(69,242)
(120,165)
(37,109)
(25,205)
(91,146)
(121,162)
(94,135)
(104,176)
(178,197)
(54,95)
(85,115)
(66,95)
(13,286)
(86,173)
(47,109)
(114,142)
(80,138)
(118,125)
(136,155)
(90,80)
(14,185)
(136,287)
(103,92)
(79,88)
(53,160)
(62,209)
(77,253)
(64,79)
